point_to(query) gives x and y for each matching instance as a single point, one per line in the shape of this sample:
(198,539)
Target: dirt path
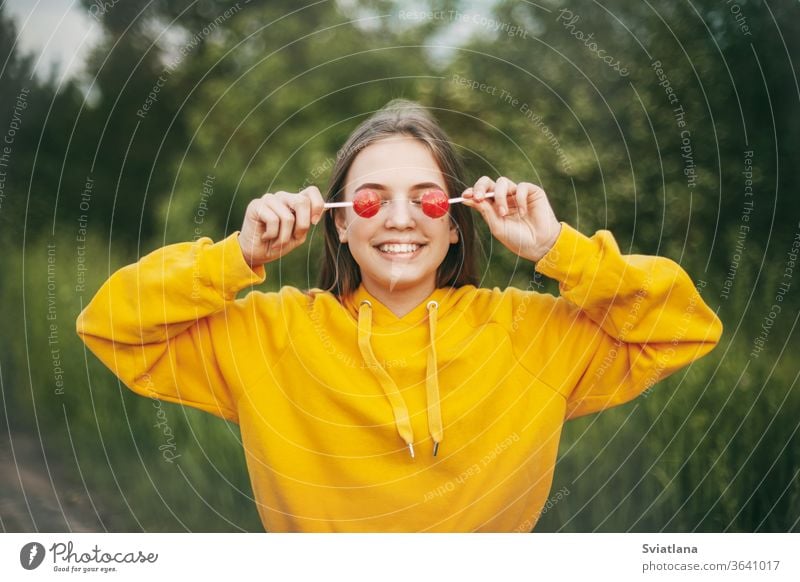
(33,500)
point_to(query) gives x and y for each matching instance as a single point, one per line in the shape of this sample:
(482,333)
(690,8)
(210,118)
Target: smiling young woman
(411,128)
(400,250)
(398,395)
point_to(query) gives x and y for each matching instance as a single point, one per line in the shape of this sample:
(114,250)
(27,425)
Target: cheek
(443,232)
(441,240)
(358,235)
(359,231)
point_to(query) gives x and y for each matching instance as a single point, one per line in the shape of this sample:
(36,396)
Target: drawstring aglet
(411,449)
(435,447)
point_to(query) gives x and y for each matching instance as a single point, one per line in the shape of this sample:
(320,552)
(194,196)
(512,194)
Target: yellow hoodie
(341,405)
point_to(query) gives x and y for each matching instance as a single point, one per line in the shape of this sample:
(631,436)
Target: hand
(276,224)
(519,215)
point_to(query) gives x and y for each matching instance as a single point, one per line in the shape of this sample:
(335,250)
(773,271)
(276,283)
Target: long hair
(340,274)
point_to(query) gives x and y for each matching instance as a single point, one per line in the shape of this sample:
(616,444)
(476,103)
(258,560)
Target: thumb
(488,211)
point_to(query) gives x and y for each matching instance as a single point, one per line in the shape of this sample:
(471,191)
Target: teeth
(398,248)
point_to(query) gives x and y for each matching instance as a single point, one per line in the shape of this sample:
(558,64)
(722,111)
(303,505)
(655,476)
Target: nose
(399,214)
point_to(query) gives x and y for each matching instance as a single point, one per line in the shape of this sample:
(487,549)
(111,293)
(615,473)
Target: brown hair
(340,274)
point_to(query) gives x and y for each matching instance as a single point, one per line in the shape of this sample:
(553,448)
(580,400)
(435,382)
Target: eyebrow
(383,188)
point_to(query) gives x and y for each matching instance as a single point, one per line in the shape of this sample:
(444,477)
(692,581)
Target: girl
(399,396)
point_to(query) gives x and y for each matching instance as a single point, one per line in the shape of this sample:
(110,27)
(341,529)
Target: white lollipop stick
(461,198)
(337,204)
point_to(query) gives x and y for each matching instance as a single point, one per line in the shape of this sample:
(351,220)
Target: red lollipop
(367,203)
(435,203)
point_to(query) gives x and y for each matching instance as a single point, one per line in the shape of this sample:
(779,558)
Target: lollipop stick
(461,198)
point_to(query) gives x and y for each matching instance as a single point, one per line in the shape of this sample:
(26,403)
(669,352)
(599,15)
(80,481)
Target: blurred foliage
(258,96)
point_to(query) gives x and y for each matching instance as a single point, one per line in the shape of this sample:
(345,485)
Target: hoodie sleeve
(154,323)
(622,323)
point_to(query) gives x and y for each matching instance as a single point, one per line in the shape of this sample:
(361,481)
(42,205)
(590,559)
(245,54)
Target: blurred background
(127,125)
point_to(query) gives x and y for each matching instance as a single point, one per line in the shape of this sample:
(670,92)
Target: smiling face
(400,248)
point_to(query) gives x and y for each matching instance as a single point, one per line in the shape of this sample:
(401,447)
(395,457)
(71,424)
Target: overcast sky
(60,33)
(57,32)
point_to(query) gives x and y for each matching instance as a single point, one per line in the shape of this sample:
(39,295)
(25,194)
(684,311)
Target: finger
(524,189)
(538,193)
(488,212)
(268,219)
(468,196)
(302,214)
(286,217)
(502,188)
(317,203)
(483,185)
(265,221)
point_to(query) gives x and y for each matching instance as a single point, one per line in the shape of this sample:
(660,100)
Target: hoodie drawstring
(432,383)
(401,418)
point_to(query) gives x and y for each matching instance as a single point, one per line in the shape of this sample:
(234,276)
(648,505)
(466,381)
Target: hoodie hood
(369,311)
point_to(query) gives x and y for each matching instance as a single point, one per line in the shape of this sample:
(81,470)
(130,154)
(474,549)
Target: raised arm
(622,323)
(165,324)
(161,324)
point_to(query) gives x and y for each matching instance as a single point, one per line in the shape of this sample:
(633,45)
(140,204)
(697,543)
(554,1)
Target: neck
(400,301)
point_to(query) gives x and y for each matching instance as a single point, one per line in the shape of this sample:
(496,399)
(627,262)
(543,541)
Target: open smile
(399,250)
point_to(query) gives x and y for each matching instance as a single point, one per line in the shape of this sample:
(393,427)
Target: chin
(402,281)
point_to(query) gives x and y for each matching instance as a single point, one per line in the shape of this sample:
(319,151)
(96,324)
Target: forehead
(396,161)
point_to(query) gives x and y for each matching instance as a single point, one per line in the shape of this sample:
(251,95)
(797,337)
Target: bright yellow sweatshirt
(329,395)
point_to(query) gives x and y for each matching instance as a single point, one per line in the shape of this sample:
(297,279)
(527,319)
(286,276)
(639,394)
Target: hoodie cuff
(223,266)
(569,258)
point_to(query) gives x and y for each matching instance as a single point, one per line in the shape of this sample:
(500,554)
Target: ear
(453,233)
(341,227)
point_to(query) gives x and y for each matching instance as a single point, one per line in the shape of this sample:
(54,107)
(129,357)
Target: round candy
(367,203)
(435,203)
